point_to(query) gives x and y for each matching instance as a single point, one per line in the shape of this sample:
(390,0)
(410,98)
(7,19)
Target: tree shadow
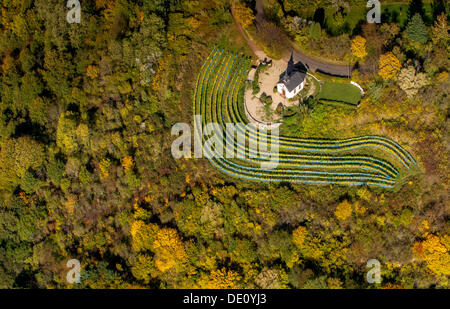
(319,16)
(438,8)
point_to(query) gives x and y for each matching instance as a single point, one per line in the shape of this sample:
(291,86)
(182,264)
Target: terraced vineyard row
(219,91)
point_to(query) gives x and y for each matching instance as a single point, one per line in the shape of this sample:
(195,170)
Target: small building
(292,81)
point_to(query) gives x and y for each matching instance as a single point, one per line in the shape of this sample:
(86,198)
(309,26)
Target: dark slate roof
(291,82)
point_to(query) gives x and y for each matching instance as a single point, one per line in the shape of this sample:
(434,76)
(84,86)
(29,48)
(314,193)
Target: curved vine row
(316,161)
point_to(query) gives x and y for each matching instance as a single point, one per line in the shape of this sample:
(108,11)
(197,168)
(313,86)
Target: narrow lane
(313,64)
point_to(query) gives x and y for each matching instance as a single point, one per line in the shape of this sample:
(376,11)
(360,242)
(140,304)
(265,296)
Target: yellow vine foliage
(389,66)
(434,251)
(343,210)
(220,279)
(359,47)
(169,250)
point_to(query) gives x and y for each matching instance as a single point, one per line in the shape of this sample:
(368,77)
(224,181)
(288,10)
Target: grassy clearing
(231,39)
(340,93)
(398,13)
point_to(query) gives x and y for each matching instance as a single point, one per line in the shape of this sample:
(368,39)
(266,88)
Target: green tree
(416,30)
(315,31)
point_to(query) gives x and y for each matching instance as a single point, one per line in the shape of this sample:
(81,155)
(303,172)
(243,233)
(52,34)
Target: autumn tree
(272,279)
(127,163)
(144,268)
(299,236)
(434,251)
(70,135)
(410,81)
(389,31)
(220,279)
(389,66)
(359,47)
(16,157)
(440,30)
(143,235)
(169,250)
(243,14)
(343,210)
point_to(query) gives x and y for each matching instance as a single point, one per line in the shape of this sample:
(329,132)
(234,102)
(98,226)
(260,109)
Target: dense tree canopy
(86,170)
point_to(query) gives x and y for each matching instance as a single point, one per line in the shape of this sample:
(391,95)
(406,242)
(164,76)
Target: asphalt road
(313,64)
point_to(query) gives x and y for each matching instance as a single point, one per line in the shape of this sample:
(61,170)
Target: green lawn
(398,13)
(340,93)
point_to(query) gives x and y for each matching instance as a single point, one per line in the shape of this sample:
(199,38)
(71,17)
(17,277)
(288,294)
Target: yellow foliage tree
(92,71)
(127,163)
(434,251)
(343,210)
(104,165)
(442,77)
(144,268)
(143,235)
(389,66)
(299,235)
(359,47)
(324,249)
(243,14)
(440,30)
(220,279)
(169,250)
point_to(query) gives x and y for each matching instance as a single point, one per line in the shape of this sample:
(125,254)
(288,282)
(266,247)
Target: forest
(86,170)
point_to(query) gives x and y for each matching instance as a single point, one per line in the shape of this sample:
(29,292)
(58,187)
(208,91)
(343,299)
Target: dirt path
(255,48)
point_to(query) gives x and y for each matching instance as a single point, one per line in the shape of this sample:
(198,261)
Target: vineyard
(218,97)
